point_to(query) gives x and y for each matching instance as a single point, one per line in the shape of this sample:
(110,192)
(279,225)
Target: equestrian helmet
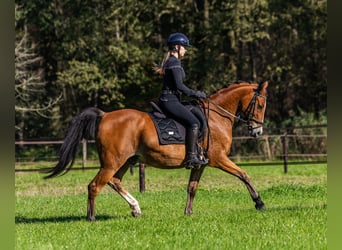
(178,39)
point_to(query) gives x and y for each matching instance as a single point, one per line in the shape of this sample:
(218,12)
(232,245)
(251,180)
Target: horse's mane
(231,84)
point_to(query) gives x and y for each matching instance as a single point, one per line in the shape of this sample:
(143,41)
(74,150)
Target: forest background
(72,54)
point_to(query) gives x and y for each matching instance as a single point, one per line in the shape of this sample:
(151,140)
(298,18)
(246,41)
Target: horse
(123,135)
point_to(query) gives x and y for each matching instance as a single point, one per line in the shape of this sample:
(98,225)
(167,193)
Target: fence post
(142,177)
(267,148)
(285,152)
(84,153)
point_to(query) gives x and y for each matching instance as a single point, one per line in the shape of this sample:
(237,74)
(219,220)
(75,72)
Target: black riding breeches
(174,109)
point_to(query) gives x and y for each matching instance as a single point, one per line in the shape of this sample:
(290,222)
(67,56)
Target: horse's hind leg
(94,188)
(115,183)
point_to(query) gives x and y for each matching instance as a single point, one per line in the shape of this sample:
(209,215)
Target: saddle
(172,132)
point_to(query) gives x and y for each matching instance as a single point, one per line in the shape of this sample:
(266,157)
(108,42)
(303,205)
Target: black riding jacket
(173,80)
(170,96)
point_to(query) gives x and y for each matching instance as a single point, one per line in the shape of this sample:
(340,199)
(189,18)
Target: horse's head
(253,107)
(243,101)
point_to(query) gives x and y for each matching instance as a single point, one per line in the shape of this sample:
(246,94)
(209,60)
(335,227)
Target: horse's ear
(263,85)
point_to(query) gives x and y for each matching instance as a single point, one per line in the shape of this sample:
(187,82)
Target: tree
(100,52)
(31,98)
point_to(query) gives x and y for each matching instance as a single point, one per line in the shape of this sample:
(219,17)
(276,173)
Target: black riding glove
(200,94)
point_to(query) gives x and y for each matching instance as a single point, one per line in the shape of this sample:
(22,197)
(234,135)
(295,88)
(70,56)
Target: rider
(173,86)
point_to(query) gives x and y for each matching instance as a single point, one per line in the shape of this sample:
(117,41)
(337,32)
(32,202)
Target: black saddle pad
(170,131)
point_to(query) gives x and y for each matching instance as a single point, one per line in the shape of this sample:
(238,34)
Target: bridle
(248,113)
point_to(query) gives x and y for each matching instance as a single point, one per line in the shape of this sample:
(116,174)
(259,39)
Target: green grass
(51,214)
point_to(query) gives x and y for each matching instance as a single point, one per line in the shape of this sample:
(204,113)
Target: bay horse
(122,135)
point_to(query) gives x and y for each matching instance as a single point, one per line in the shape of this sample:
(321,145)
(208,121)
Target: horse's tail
(83,126)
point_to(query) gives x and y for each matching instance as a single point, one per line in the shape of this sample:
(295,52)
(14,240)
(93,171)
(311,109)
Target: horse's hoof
(136,214)
(188,212)
(260,206)
(91,219)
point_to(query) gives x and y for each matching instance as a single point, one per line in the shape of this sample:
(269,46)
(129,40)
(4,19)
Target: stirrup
(195,161)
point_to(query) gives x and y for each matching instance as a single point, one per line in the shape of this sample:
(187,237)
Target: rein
(225,111)
(249,110)
(207,116)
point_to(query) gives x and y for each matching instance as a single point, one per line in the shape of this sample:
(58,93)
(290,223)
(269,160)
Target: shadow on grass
(62,219)
(280,208)
(297,207)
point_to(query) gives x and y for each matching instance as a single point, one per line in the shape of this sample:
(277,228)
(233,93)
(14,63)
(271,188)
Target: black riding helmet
(178,39)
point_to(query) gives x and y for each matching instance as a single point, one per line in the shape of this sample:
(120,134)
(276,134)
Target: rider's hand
(200,95)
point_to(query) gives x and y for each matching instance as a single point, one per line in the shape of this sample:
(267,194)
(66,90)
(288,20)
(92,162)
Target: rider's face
(182,51)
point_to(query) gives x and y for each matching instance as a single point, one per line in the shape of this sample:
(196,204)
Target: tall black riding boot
(192,159)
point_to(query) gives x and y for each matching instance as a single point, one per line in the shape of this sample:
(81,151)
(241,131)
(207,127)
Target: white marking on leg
(134,204)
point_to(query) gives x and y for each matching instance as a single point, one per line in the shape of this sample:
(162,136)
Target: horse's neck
(229,98)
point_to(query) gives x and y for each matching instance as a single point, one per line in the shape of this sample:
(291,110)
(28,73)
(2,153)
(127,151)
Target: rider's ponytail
(160,68)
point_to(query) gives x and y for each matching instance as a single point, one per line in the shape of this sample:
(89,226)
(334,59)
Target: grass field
(50,214)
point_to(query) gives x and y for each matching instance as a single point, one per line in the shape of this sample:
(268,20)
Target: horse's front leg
(230,167)
(195,176)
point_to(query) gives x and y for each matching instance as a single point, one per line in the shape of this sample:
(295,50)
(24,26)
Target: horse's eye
(260,106)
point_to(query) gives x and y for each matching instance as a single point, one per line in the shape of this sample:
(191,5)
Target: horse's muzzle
(255,131)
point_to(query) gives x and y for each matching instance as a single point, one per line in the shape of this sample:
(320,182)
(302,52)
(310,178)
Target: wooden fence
(267,157)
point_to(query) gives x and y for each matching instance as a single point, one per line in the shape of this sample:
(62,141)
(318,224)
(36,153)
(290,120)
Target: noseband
(250,111)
